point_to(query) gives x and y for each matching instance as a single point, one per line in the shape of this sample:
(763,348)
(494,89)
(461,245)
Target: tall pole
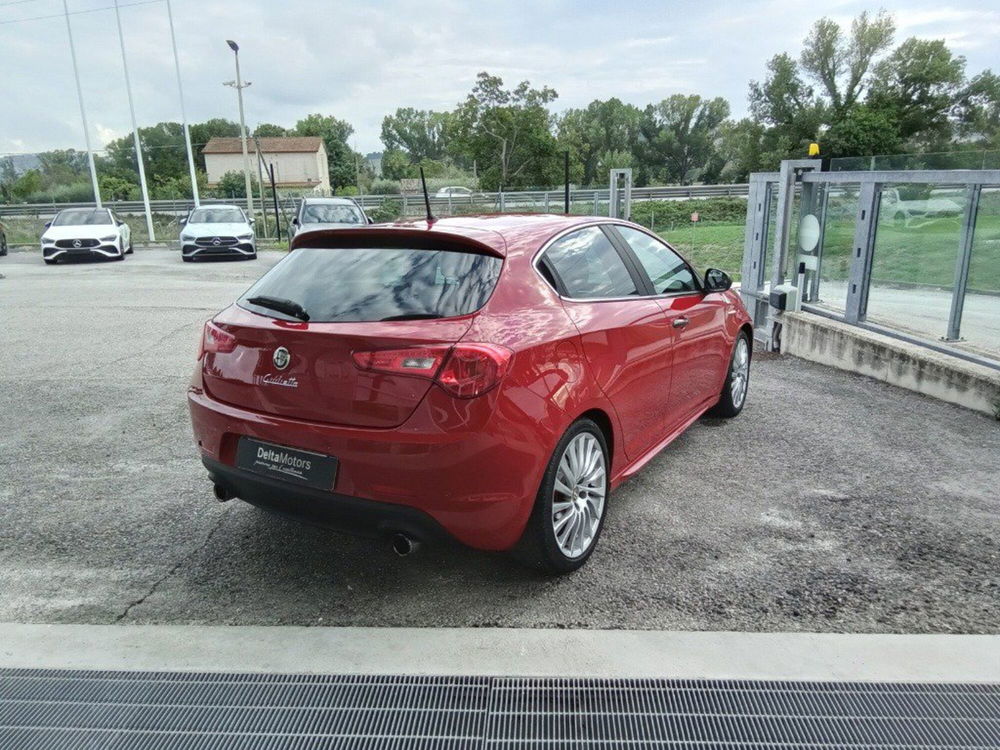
(243,127)
(83,112)
(184,122)
(135,130)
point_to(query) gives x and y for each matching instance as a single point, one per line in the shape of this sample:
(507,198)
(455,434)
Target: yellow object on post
(813,149)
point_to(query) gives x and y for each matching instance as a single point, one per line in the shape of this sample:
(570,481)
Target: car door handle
(680,322)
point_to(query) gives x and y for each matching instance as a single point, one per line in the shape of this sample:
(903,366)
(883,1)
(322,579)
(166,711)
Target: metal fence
(914,254)
(413,204)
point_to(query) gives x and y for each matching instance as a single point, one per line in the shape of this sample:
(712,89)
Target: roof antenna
(427,198)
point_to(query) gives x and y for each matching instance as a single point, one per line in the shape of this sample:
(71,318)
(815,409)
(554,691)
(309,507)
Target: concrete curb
(504,651)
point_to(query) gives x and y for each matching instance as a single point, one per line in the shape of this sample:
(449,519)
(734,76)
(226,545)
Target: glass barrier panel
(981,311)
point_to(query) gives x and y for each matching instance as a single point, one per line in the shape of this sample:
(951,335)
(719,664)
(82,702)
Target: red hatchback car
(488,379)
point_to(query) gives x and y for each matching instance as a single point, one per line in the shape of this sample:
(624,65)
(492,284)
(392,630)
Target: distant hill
(23,162)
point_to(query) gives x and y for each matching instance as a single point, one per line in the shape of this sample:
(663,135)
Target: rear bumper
(353,514)
(473,467)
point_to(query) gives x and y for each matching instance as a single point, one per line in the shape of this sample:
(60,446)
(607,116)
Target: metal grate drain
(147,710)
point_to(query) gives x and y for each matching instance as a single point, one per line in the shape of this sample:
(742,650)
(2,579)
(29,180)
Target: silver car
(327,213)
(217,231)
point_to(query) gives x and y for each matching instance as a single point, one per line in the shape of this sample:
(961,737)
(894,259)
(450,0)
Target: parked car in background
(327,213)
(86,233)
(490,379)
(907,213)
(454,191)
(217,232)
(3,240)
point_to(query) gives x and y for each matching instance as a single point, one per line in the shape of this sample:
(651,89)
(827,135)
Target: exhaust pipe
(403,545)
(221,493)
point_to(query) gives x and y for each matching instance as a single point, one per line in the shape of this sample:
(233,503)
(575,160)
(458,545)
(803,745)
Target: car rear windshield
(216,216)
(82,216)
(371,284)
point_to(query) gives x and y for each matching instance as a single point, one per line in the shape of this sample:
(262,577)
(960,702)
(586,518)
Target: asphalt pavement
(834,503)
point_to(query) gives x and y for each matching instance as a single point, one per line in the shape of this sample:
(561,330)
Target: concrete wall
(900,363)
(290,170)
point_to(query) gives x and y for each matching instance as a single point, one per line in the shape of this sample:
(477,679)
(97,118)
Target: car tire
(541,546)
(130,248)
(49,261)
(3,244)
(252,257)
(732,399)
(187,258)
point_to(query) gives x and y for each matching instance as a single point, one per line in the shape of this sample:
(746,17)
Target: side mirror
(183,220)
(252,220)
(717,281)
(295,220)
(48,224)
(371,220)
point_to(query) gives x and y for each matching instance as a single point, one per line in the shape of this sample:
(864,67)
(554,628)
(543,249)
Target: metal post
(83,111)
(260,182)
(566,179)
(786,194)
(962,262)
(243,126)
(503,201)
(135,131)
(274,195)
(862,251)
(184,123)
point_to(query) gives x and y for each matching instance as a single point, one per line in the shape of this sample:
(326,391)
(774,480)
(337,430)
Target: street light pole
(184,122)
(135,131)
(239,86)
(83,112)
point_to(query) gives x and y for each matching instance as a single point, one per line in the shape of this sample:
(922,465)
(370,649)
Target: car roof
(502,235)
(218,205)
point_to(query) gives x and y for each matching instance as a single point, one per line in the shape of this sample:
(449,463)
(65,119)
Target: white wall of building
(290,169)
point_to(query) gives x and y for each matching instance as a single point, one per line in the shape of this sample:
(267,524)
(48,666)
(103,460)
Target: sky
(361,60)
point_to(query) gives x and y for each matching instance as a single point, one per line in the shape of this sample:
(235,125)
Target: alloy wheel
(578,495)
(740,372)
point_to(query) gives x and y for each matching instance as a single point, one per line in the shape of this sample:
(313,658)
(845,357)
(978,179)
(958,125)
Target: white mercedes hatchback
(217,231)
(86,233)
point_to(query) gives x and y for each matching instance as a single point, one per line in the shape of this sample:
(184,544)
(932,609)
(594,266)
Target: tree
(978,110)
(507,133)
(920,84)
(863,131)
(677,137)
(422,134)
(600,137)
(343,162)
(268,130)
(231,185)
(842,63)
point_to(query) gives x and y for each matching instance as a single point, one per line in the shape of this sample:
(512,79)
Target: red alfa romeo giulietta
(488,379)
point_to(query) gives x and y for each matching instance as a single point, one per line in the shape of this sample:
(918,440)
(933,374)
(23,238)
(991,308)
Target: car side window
(667,270)
(589,266)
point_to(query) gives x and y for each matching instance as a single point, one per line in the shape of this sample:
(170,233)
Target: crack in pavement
(177,566)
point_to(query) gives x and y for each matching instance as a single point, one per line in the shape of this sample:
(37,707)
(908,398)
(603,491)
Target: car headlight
(48,241)
(187,237)
(245,236)
(110,238)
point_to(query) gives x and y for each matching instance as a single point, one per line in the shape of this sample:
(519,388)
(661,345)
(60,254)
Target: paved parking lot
(834,503)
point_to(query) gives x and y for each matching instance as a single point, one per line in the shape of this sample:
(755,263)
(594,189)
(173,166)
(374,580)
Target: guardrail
(413,204)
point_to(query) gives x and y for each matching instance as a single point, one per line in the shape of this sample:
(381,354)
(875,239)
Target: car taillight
(214,339)
(464,370)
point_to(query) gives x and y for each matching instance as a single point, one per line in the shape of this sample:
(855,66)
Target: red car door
(700,349)
(625,335)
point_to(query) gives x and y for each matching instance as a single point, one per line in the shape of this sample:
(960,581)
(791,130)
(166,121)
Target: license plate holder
(287,464)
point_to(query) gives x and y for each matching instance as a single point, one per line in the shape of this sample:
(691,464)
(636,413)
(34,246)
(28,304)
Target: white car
(86,233)
(217,231)
(455,192)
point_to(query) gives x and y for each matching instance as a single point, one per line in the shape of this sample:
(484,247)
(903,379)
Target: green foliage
(115,188)
(678,138)
(507,134)
(421,134)
(231,185)
(384,187)
(599,137)
(390,210)
(268,130)
(863,131)
(669,213)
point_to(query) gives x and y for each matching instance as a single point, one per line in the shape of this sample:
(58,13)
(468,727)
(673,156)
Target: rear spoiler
(404,236)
